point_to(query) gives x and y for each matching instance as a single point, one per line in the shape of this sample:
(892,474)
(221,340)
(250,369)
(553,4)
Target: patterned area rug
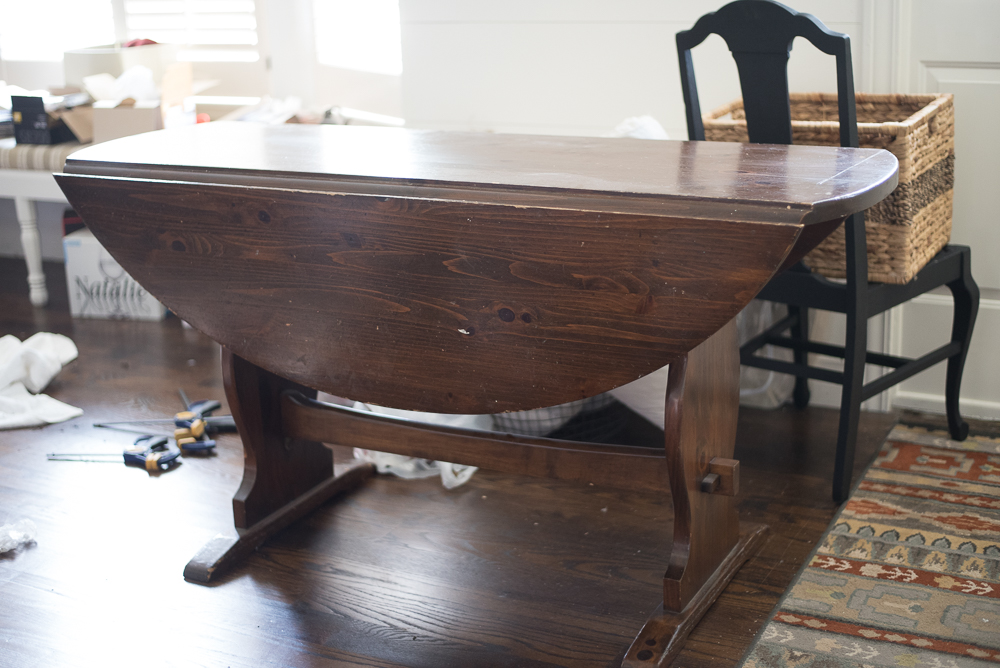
(909,572)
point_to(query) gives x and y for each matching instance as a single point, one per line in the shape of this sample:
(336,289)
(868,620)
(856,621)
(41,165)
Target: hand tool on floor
(186,440)
(188,445)
(202,408)
(216,424)
(192,425)
(150,452)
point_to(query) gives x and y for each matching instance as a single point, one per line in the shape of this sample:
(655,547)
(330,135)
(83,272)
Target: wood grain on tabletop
(268,256)
(750,182)
(351,294)
(398,573)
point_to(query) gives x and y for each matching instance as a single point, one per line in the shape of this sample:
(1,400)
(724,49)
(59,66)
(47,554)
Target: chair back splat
(761,54)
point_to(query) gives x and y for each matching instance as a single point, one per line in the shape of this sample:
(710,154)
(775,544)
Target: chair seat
(811,290)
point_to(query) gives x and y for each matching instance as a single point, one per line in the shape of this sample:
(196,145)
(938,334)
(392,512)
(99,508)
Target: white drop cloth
(646,396)
(26,368)
(452,475)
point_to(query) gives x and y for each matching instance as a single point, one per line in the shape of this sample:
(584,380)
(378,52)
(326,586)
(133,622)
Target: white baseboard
(934,403)
(980,398)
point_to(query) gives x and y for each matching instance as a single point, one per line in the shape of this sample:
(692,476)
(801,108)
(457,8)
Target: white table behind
(26,177)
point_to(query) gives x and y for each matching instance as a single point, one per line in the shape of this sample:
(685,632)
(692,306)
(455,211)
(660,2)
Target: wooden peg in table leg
(723,477)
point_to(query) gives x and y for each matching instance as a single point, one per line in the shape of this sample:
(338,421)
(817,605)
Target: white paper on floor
(452,475)
(13,536)
(26,368)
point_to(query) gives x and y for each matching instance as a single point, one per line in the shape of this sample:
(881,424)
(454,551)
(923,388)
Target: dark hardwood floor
(505,571)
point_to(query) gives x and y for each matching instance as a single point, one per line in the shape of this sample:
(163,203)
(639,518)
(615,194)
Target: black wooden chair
(759,34)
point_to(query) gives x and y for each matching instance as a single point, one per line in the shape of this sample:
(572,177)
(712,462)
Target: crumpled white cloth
(13,536)
(26,368)
(452,475)
(640,127)
(646,396)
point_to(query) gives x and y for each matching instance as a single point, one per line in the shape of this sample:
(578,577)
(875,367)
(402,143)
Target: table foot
(223,551)
(663,636)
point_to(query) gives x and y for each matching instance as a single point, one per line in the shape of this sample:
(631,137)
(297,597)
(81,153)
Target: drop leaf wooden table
(471,273)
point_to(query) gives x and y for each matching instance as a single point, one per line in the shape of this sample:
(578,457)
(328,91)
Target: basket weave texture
(905,230)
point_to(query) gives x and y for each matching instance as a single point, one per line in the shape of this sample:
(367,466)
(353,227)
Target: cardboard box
(112,121)
(99,287)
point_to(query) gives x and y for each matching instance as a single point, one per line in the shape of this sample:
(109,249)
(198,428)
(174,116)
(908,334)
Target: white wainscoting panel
(926,323)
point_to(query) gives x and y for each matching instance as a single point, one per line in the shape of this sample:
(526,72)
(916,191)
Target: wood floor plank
(504,571)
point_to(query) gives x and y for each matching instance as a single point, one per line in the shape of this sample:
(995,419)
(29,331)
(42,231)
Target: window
(219,36)
(359,35)
(80,23)
(215,30)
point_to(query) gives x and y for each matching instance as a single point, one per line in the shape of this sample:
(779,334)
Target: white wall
(574,66)
(289,29)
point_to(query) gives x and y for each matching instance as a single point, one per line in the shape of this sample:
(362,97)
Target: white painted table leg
(32,245)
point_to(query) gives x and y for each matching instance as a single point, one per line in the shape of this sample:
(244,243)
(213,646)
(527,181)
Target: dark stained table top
(812,184)
(352,259)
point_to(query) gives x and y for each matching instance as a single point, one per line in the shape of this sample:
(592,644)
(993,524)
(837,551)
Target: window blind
(210,30)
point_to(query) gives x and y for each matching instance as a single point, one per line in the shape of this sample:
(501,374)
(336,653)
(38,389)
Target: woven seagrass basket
(905,230)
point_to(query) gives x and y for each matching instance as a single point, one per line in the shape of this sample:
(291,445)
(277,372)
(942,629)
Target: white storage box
(99,287)
(114,60)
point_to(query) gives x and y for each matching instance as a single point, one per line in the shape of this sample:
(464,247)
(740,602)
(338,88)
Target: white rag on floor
(452,475)
(25,369)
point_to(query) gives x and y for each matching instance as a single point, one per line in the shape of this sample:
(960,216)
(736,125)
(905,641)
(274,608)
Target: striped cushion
(48,157)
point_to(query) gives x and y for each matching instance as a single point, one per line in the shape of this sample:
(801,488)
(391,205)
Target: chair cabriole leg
(966,295)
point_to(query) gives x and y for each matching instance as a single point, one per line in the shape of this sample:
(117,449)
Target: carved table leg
(283,478)
(709,543)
